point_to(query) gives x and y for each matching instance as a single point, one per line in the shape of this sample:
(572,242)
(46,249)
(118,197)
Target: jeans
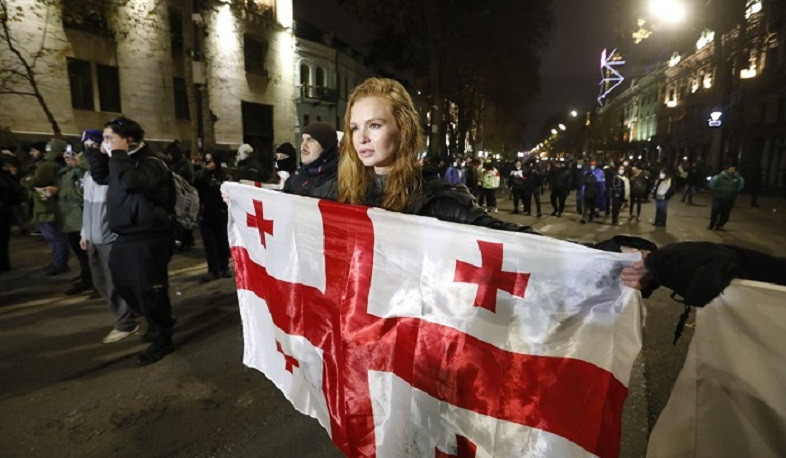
(57,242)
(660,211)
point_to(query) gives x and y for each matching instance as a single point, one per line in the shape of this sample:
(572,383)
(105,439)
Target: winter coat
(517,179)
(95,223)
(11,192)
(316,179)
(141,192)
(44,209)
(639,185)
(490,178)
(663,189)
(619,189)
(533,176)
(250,169)
(70,195)
(561,179)
(208,185)
(725,186)
(452,175)
(589,185)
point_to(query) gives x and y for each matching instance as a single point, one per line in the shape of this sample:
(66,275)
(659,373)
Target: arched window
(320,80)
(304,74)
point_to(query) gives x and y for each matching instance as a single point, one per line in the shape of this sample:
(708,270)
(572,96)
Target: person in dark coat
(533,180)
(140,210)
(319,159)
(517,184)
(11,195)
(248,166)
(286,162)
(560,182)
(662,191)
(213,218)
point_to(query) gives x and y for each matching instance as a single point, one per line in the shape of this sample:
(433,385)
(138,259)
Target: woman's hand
(636,275)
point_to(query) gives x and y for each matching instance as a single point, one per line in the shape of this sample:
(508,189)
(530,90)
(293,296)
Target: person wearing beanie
(45,215)
(247,165)
(286,163)
(319,163)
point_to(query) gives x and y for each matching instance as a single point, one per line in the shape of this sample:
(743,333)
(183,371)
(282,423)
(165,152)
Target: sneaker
(495,210)
(116,336)
(78,288)
(207,278)
(154,353)
(52,271)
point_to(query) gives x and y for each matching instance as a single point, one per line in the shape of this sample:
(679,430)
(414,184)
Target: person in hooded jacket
(560,183)
(46,215)
(319,163)
(286,163)
(213,218)
(248,166)
(140,211)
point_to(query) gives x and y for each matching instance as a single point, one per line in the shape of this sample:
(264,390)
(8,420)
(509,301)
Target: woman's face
(374,133)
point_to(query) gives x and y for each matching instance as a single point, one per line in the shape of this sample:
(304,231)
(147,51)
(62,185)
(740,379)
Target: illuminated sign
(715,119)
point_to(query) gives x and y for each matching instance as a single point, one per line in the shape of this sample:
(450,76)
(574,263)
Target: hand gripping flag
(409,336)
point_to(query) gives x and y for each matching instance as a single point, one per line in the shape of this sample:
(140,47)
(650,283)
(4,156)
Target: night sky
(569,73)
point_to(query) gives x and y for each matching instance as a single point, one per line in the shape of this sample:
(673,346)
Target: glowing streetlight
(670,11)
(574,113)
(553,131)
(561,126)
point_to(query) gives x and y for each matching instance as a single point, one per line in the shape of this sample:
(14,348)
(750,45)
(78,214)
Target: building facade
(96,60)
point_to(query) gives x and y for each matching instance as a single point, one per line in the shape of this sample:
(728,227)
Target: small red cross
(490,277)
(258,220)
(290,360)
(465,448)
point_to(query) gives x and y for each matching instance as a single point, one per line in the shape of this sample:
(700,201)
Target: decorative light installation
(752,7)
(675,59)
(707,36)
(715,119)
(611,78)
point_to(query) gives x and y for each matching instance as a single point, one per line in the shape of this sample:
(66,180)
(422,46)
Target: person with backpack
(213,218)
(141,200)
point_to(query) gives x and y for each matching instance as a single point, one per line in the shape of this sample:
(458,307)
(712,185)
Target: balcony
(318,94)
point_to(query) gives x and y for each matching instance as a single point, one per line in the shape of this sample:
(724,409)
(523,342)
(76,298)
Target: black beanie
(288,149)
(322,132)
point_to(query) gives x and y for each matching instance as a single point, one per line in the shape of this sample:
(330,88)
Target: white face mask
(621,171)
(107,148)
(662,176)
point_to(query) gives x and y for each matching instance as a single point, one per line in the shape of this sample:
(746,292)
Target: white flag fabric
(410,336)
(729,399)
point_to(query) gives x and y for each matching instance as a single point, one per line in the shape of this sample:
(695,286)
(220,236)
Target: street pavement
(64,393)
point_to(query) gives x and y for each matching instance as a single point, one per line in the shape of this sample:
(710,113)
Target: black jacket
(317,179)
(561,179)
(208,184)
(140,197)
(700,271)
(251,169)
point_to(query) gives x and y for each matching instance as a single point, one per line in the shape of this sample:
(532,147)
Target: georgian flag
(410,336)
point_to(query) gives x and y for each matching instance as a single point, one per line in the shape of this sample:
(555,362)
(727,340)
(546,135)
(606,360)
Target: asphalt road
(64,393)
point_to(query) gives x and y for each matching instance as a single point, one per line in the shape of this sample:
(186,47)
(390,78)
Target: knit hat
(38,146)
(286,148)
(244,151)
(322,132)
(92,134)
(56,145)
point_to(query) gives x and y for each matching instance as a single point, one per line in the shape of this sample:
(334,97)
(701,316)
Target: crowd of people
(600,188)
(114,201)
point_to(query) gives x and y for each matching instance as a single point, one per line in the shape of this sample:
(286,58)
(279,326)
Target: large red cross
(568,397)
(264,226)
(490,277)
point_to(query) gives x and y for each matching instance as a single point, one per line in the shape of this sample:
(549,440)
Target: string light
(611,78)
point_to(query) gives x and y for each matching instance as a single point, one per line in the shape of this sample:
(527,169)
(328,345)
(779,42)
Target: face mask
(578,166)
(621,171)
(662,176)
(592,167)
(625,163)
(107,148)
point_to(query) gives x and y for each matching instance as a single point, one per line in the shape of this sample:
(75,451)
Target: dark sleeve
(99,165)
(457,205)
(700,271)
(288,183)
(146,176)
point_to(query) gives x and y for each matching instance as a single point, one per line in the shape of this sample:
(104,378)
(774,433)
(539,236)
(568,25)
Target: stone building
(96,60)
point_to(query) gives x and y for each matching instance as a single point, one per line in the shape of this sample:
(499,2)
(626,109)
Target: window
(108,88)
(181,99)
(176,32)
(254,54)
(304,74)
(320,80)
(86,15)
(306,120)
(81,81)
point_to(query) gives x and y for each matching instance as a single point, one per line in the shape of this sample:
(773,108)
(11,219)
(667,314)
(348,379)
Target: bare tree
(18,64)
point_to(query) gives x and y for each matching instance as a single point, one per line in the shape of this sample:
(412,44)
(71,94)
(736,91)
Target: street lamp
(553,131)
(670,11)
(562,126)
(574,113)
